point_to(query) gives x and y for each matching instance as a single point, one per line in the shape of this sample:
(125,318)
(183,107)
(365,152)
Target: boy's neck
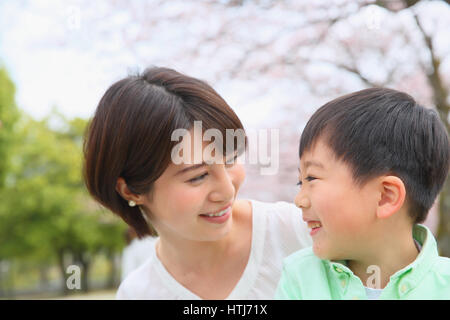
(388,255)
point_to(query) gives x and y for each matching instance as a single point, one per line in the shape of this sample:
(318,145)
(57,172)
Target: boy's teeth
(315,225)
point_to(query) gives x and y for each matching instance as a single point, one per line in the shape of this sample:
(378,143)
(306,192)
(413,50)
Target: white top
(135,254)
(278,231)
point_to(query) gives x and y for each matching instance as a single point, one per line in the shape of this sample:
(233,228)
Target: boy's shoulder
(435,283)
(442,266)
(305,276)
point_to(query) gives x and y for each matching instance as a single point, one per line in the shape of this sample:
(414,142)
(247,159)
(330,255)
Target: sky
(56,61)
(48,75)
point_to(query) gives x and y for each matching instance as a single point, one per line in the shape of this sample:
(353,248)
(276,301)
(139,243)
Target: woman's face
(184,198)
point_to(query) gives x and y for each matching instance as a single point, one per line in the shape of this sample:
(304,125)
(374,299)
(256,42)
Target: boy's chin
(324,253)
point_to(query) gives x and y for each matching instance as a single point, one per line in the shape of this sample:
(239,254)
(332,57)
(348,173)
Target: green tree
(8,117)
(49,217)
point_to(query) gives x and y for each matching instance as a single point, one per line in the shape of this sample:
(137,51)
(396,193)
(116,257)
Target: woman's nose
(223,186)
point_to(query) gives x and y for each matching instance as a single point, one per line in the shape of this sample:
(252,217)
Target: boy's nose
(302,201)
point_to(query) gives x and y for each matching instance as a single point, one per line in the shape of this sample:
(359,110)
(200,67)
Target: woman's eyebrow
(195,166)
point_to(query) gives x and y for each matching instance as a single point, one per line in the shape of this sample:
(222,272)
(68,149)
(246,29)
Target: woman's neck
(192,256)
(204,256)
(197,264)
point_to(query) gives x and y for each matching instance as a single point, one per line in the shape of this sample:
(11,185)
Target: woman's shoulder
(284,222)
(144,283)
(278,210)
(135,283)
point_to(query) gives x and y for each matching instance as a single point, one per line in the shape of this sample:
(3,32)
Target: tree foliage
(45,211)
(8,117)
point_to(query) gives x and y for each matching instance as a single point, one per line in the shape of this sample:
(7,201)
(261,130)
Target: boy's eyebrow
(195,166)
(313,164)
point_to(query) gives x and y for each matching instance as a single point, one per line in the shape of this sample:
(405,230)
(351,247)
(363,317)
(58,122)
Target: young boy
(371,165)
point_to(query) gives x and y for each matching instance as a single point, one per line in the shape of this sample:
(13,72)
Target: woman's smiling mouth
(218,217)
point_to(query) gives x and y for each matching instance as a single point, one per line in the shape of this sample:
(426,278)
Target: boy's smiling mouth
(315,226)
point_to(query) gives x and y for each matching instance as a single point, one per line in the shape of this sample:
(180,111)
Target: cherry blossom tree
(275,62)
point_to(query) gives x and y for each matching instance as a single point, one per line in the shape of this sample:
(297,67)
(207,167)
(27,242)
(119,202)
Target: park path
(98,295)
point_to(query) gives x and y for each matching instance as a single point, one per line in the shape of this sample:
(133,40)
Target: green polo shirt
(307,277)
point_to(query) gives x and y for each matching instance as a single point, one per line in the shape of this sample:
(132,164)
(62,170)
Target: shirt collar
(426,258)
(409,276)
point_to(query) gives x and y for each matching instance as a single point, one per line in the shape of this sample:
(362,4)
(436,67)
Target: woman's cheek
(238,175)
(184,197)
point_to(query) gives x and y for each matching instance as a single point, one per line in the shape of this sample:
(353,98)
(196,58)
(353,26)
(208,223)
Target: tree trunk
(112,278)
(85,261)
(444,225)
(440,94)
(43,277)
(2,285)
(62,268)
(11,290)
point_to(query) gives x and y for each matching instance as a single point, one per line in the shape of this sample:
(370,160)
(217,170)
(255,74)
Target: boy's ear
(393,194)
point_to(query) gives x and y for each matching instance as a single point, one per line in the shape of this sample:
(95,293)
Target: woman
(210,245)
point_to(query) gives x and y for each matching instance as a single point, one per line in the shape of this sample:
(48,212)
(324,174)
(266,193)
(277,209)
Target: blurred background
(274,62)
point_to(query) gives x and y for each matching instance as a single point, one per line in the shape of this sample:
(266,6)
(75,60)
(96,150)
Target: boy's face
(339,213)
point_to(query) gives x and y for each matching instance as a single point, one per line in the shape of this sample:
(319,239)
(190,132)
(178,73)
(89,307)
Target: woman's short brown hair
(130,134)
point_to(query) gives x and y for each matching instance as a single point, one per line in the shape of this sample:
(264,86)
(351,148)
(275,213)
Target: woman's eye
(198,178)
(231,162)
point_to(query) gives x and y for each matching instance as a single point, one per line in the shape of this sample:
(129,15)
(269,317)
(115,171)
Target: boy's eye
(309,178)
(198,178)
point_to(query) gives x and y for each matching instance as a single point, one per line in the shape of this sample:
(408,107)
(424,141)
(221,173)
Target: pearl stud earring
(131,203)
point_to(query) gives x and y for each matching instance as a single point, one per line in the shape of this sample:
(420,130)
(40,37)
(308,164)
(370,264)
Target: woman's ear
(122,189)
(393,194)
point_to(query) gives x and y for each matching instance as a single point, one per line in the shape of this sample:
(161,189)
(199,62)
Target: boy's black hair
(378,131)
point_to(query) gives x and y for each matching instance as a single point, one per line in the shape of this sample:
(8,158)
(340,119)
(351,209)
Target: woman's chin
(217,232)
